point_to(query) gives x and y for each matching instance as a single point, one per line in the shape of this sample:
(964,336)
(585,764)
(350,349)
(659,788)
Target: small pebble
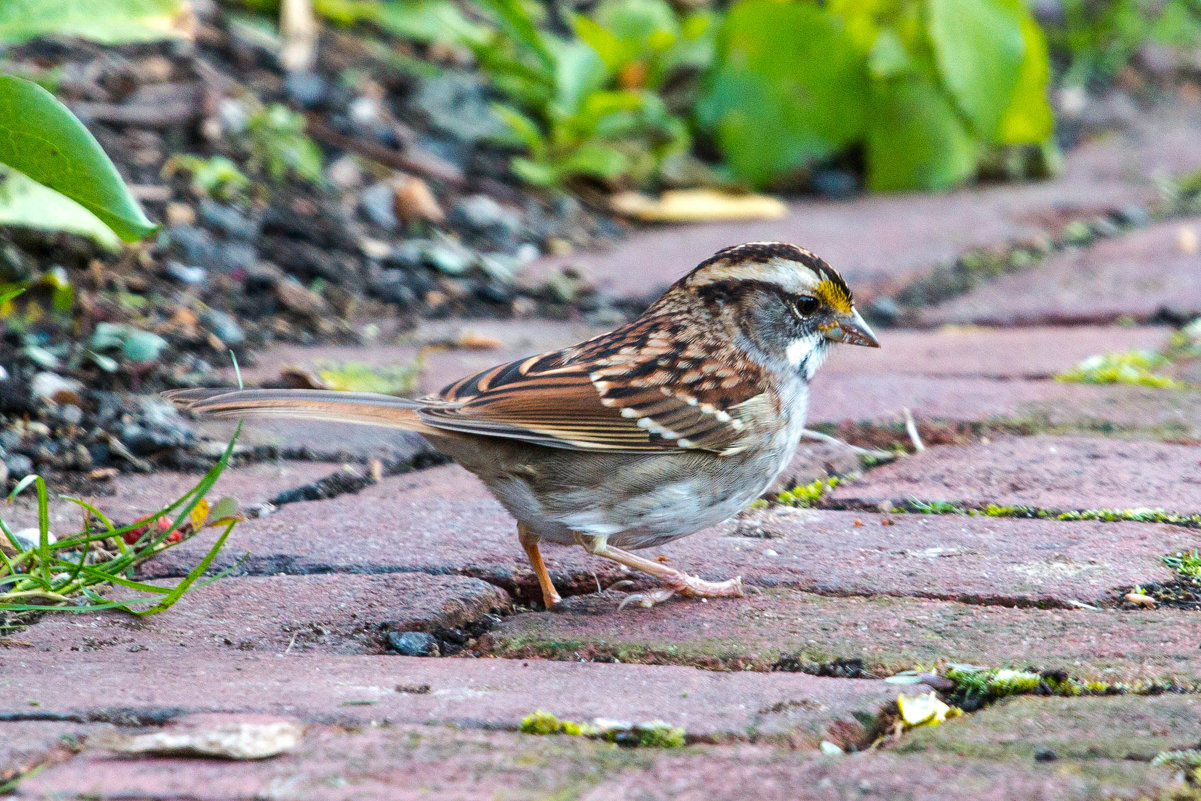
(378,202)
(224,327)
(53,388)
(19,465)
(345,173)
(1045,754)
(306,89)
(185,274)
(413,643)
(30,538)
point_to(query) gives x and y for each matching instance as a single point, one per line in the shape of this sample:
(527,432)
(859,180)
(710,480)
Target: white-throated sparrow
(655,430)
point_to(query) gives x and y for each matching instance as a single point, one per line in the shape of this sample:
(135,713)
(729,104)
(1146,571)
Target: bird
(664,426)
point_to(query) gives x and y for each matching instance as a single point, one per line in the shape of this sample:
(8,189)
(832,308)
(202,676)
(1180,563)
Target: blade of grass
(103,575)
(188,580)
(11,785)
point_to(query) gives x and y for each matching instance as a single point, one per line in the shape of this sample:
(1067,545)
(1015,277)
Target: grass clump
(1187,564)
(1133,368)
(42,573)
(652,734)
(1183,591)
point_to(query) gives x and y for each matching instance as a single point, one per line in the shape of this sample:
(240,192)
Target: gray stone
(230,220)
(185,274)
(378,202)
(458,104)
(413,643)
(224,326)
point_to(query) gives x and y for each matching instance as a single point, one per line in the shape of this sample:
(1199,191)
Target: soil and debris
(342,204)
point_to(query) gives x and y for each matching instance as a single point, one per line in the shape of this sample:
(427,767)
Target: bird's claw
(647,599)
(623,584)
(688,585)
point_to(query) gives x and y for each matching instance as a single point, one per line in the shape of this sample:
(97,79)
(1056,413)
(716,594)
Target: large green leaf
(791,88)
(979,48)
(104,21)
(24,203)
(40,137)
(1028,117)
(915,138)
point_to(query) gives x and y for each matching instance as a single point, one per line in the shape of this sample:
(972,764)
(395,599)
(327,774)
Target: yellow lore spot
(834,296)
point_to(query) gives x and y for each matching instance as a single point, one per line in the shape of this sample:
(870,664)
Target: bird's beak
(851,329)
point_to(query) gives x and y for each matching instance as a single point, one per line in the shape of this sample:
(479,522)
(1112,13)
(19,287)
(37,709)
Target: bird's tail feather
(364,408)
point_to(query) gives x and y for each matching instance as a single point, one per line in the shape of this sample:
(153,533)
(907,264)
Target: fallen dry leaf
(474,341)
(1138,599)
(1187,241)
(413,200)
(697,205)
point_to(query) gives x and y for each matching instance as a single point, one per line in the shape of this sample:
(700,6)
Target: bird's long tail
(364,408)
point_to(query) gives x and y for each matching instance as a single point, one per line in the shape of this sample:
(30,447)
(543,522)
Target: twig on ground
(911,430)
(870,453)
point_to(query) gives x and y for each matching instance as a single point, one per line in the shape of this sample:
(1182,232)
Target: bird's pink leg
(676,582)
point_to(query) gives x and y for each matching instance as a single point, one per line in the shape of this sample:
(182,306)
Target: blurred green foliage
(923,93)
(103,21)
(925,87)
(279,146)
(583,107)
(1097,38)
(216,176)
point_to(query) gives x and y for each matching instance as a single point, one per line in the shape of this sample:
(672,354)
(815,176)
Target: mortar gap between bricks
(978,266)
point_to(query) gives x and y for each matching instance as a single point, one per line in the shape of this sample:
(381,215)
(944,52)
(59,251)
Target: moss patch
(1136,515)
(652,734)
(361,377)
(1133,368)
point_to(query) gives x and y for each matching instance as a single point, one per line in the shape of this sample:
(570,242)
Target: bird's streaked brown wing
(629,390)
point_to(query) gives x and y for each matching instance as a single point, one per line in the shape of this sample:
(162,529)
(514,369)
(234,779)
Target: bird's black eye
(806,305)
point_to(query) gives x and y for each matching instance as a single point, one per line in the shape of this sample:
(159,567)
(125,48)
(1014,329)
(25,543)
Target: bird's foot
(684,584)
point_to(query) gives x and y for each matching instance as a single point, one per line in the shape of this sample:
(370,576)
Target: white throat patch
(805,355)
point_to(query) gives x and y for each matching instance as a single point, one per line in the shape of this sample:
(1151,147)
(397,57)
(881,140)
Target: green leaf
(515,21)
(595,159)
(979,48)
(134,344)
(604,42)
(1028,117)
(103,21)
(426,21)
(915,139)
(650,24)
(522,129)
(535,173)
(580,72)
(791,88)
(24,203)
(40,137)
(888,57)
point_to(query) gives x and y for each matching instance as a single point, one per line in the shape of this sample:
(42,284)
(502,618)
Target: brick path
(870,583)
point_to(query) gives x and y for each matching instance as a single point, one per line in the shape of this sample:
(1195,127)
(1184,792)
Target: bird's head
(785,302)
